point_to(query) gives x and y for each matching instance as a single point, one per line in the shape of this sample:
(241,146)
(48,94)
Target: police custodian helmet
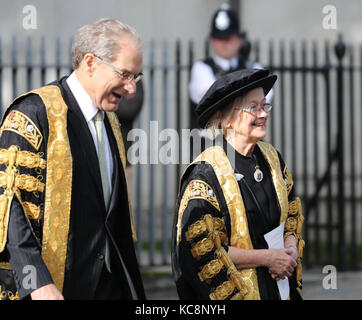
(225,23)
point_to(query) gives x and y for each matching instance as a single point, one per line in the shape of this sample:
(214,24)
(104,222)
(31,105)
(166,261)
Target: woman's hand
(294,253)
(281,262)
(291,242)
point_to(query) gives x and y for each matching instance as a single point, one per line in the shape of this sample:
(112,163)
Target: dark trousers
(110,287)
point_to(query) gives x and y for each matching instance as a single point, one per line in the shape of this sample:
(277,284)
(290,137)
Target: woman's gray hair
(218,122)
(101,38)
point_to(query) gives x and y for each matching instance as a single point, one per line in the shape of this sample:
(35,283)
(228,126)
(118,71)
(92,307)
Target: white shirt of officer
(202,76)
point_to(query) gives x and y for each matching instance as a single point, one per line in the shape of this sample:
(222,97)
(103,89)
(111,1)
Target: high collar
(226,64)
(85,102)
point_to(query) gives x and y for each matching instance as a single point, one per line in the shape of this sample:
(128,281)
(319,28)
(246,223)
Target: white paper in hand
(275,240)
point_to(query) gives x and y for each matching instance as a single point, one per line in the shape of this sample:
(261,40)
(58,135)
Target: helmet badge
(222,21)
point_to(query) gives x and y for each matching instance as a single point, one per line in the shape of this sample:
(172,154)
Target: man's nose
(130,87)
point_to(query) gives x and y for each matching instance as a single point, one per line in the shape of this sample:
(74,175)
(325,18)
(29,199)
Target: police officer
(227,43)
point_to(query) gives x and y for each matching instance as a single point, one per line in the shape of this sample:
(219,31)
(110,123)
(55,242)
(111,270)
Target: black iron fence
(326,128)
(315,124)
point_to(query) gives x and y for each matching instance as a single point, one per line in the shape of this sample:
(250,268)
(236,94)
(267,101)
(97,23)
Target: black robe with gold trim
(215,211)
(52,212)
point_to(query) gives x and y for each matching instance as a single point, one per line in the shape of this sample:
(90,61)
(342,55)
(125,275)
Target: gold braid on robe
(211,216)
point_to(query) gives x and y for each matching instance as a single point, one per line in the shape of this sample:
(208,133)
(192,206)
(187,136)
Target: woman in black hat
(233,194)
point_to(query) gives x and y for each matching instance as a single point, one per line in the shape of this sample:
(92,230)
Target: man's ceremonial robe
(52,211)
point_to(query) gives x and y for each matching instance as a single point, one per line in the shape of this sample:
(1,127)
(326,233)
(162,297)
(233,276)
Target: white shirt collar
(226,64)
(85,102)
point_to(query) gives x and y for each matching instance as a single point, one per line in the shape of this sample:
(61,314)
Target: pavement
(317,285)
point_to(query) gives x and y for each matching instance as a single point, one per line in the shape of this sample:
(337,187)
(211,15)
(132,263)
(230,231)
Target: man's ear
(88,64)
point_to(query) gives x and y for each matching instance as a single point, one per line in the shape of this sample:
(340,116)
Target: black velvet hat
(230,86)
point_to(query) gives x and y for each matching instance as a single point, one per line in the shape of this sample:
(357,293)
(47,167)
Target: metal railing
(315,124)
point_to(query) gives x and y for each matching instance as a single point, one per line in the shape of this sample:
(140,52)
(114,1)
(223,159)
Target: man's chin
(110,107)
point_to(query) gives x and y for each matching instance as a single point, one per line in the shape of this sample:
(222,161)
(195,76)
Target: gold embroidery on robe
(32,211)
(234,275)
(239,237)
(223,290)
(5,265)
(24,159)
(293,207)
(214,240)
(272,158)
(58,185)
(291,224)
(22,181)
(4,295)
(210,270)
(202,247)
(113,120)
(8,182)
(291,211)
(289,180)
(12,181)
(199,227)
(196,189)
(59,178)
(21,124)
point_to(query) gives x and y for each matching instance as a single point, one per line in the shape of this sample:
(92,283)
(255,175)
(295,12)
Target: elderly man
(65,223)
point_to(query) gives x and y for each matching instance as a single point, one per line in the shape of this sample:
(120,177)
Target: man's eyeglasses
(254,110)
(124,75)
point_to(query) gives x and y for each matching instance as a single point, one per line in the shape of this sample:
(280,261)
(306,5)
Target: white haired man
(64,207)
